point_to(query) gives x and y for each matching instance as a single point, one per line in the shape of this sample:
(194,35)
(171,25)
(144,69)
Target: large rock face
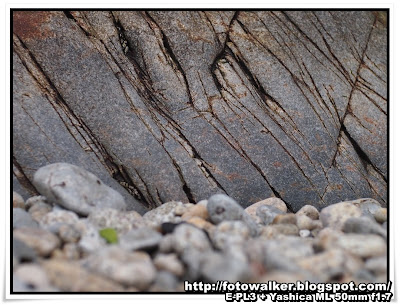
(181,105)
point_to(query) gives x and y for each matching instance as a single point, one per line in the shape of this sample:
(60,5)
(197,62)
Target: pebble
(201,223)
(140,239)
(70,276)
(304,222)
(195,211)
(21,218)
(34,276)
(69,233)
(218,266)
(169,262)
(229,233)
(380,215)
(203,202)
(221,207)
(70,251)
(285,219)
(336,214)
(124,267)
(363,225)
(75,189)
(304,233)
(53,220)
(188,236)
(42,241)
(121,221)
(30,202)
(368,206)
(309,211)
(164,213)
(18,201)
(363,245)
(268,213)
(273,201)
(90,240)
(164,282)
(39,210)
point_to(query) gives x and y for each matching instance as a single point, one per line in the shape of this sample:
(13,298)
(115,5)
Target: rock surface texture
(167,105)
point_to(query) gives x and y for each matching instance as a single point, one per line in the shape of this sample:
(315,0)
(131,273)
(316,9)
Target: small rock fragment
(18,201)
(21,218)
(309,211)
(170,263)
(42,241)
(140,239)
(335,215)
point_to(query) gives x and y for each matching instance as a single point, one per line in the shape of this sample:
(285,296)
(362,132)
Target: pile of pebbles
(57,245)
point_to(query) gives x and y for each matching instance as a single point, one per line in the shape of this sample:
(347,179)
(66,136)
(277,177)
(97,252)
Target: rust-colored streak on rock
(30,25)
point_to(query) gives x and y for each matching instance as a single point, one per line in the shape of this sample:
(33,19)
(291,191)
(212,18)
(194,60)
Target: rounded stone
(363,245)
(23,252)
(285,219)
(309,211)
(54,219)
(221,207)
(272,231)
(229,233)
(201,223)
(304,222)
(170,263)
(164,213)
(39,210)
(75,188)
(196,211)
(336,214)
(42,241)
(140,239)
(380,215)
(273,201)
(304,233)
(363,225)
(188,236)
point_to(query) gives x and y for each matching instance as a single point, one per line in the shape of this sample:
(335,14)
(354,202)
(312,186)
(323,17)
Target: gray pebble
(362,245)
(35,200)
(377,265)
(363,225)
(164,281)
(69,233)
(75,188)
(169,262)
(304,233)
(21,218)
(188,236)
(140,239)
(221,207)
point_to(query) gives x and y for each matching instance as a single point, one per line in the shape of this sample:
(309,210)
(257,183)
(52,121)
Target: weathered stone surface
(21,218)
(140,239)
(167,105)
(336,215)
(76,189)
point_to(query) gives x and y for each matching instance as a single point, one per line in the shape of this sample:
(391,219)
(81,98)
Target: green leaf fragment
(110,235)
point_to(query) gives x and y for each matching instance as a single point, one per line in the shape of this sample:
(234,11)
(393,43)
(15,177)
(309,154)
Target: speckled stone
(336,214)
(53,220)
(39,209)
(267,213)
(188,236)
(304,222)
(363,245)
(121,221)
(69,233)
(309,211)
(21,251)
(377,265)
(272,231)
(42,241)
(289,218)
